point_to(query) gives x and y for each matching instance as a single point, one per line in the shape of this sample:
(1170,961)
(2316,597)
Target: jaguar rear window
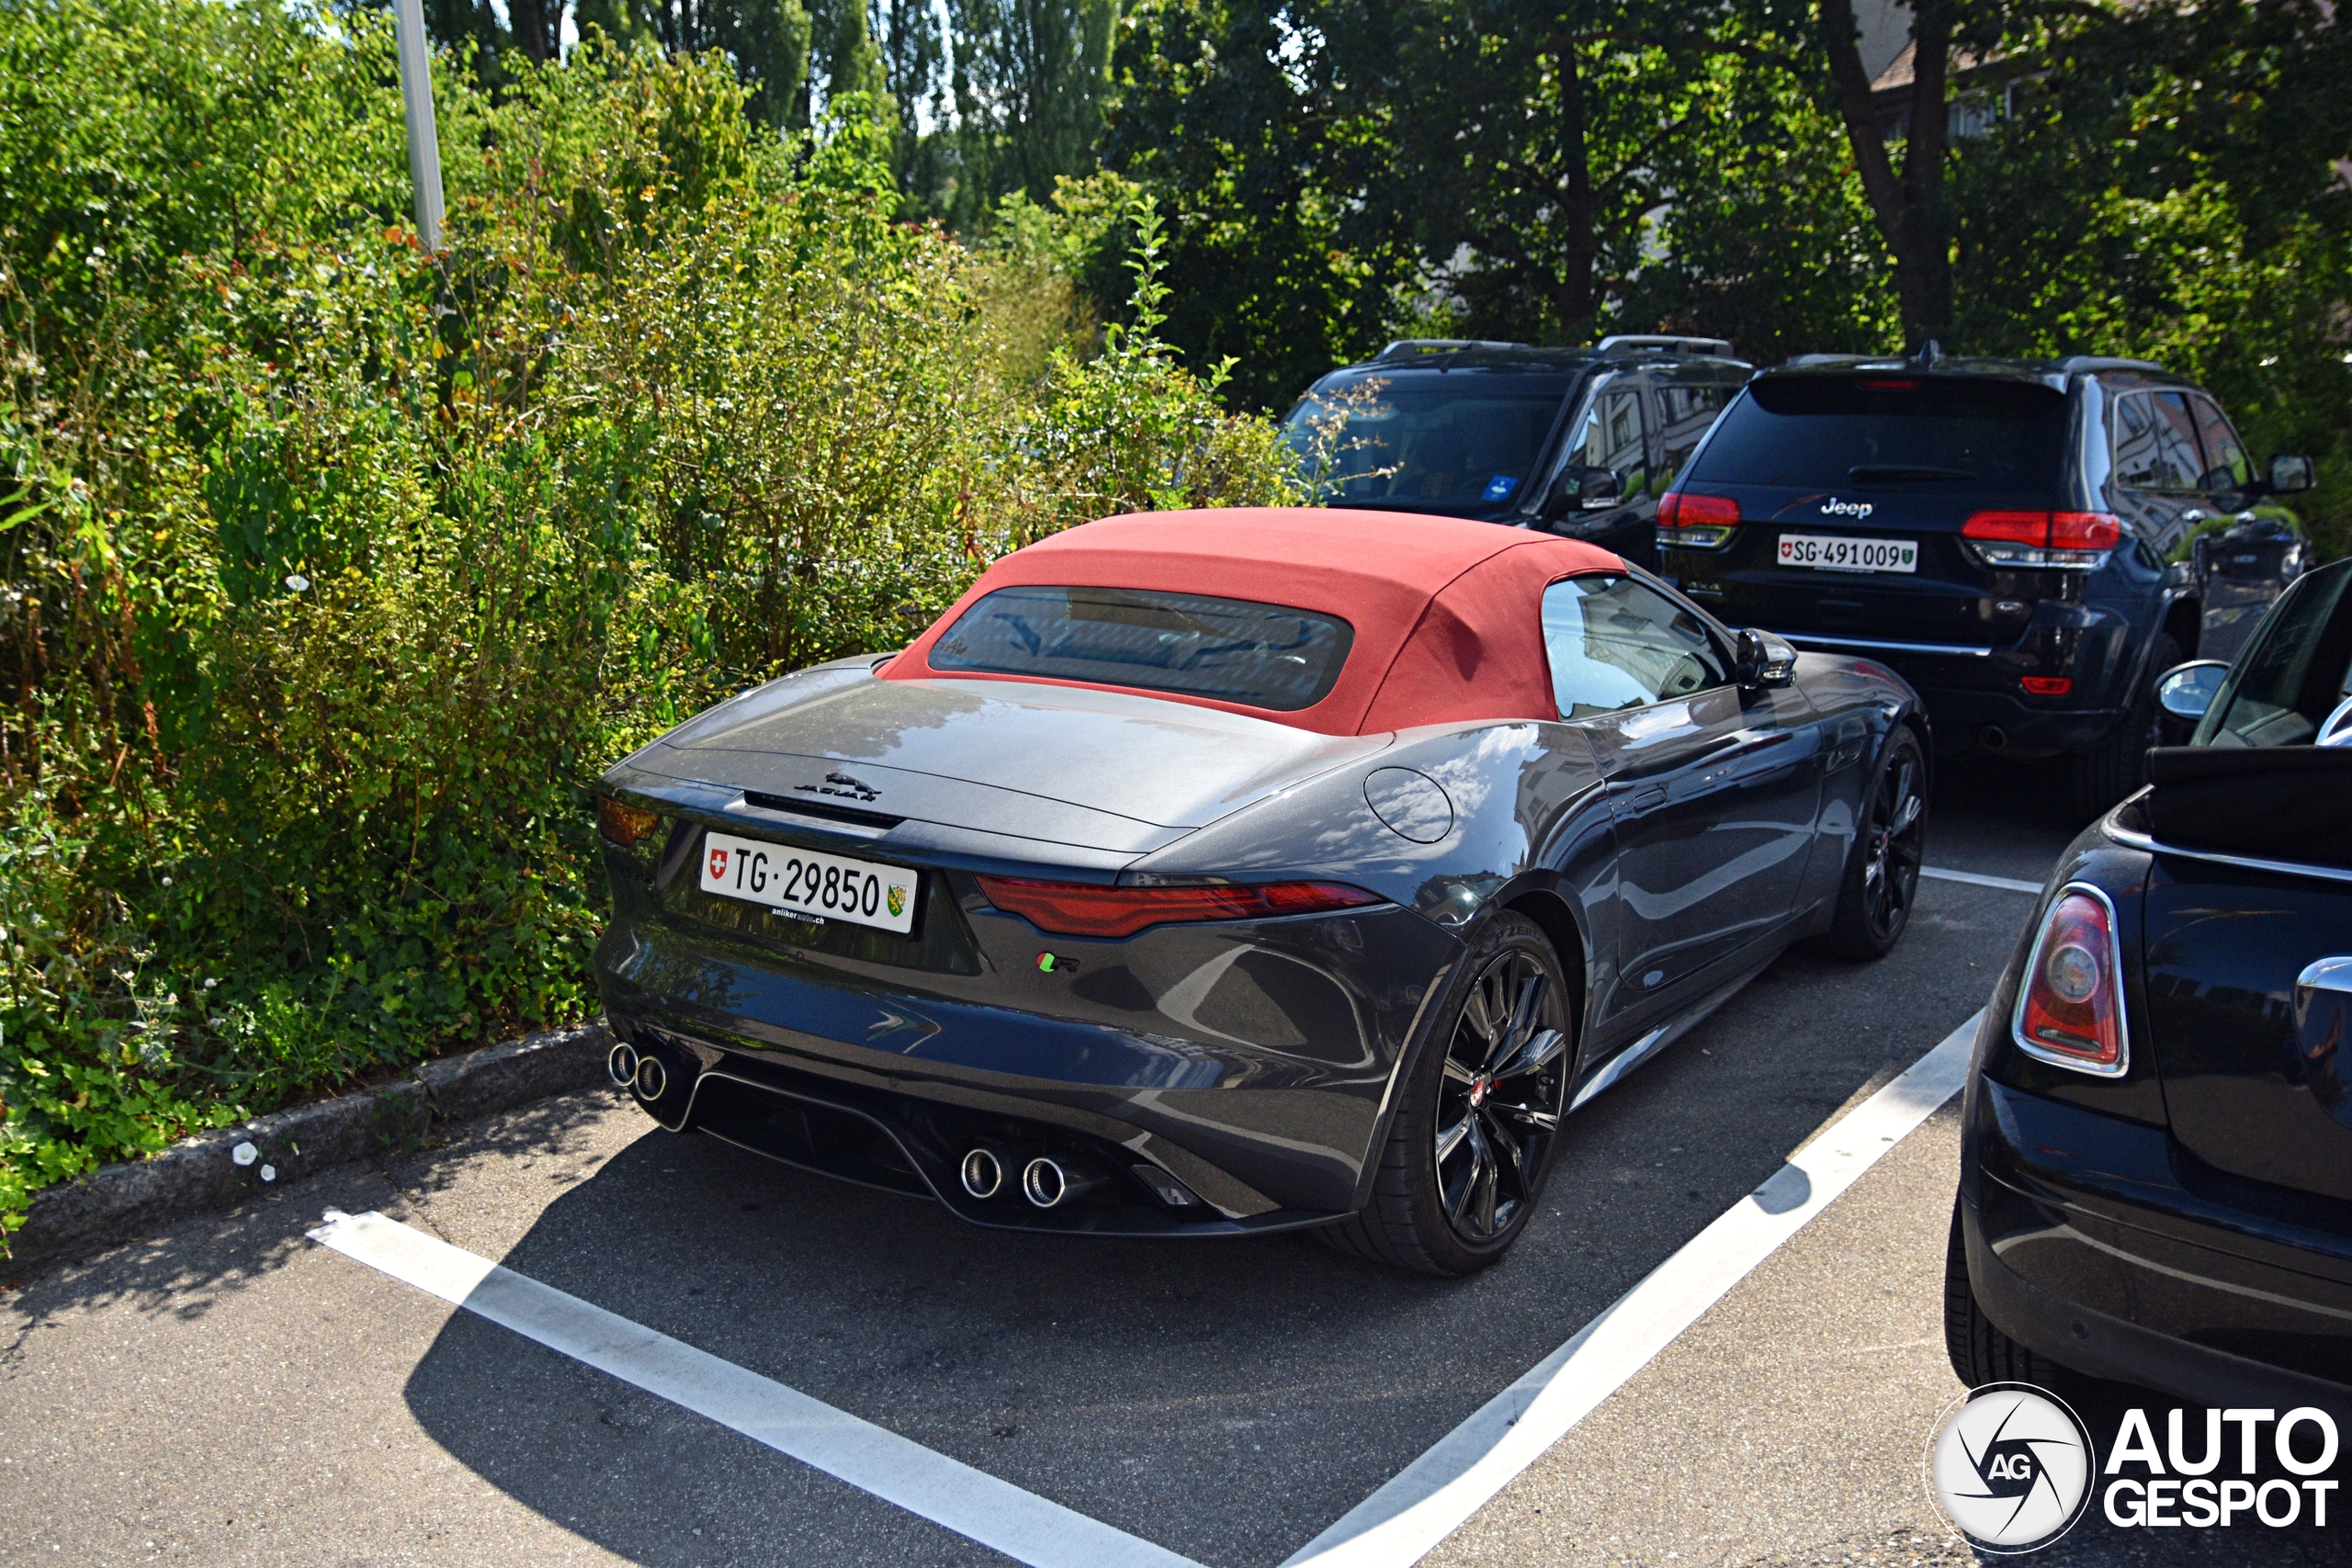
(1234,651)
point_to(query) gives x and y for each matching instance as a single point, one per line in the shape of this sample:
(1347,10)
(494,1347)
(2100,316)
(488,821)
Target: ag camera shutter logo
(2011,1467)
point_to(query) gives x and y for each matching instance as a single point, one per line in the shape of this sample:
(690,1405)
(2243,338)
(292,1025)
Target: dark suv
(1577,441)
(1998,531)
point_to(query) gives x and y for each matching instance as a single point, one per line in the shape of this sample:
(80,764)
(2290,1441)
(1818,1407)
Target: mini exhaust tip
(1044,1183)
(982,1174)
(651,1078)
(620,1064)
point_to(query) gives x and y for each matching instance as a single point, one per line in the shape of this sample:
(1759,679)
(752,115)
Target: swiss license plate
(1832,552)
(810,885)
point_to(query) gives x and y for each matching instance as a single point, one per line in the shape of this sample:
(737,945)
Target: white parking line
(1978,879)
(1432,1498)
(970,1502)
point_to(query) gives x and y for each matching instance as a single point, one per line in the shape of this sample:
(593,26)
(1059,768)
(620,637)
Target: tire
(2119,764)
(1881,877)
(1442,1201)
(1980,1352)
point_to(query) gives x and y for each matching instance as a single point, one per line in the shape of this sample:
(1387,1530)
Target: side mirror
(2292,472)
(1598,488)
(1761,659)
(2186,691)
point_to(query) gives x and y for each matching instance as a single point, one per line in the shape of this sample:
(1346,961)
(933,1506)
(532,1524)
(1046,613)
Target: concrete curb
(121,1202)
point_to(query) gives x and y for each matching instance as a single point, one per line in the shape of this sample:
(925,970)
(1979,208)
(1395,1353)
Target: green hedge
(335,571)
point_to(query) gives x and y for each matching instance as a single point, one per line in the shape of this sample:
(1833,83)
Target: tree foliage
(334,572)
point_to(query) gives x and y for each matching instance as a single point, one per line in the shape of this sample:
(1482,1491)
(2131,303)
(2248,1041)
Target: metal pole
(423,140)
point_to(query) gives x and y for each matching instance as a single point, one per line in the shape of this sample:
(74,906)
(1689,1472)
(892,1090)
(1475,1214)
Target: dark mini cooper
(1999,531)
(2156,1157)
(1210,872)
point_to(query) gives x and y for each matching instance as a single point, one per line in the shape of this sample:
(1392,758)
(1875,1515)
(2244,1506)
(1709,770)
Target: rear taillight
(1695,522)
(2069,541)
(624,825)
(2047,685)
(2069,1005)
(1084,909)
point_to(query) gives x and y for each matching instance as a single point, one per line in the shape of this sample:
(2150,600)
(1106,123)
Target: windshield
(1467,446)
(1258,655)
(1913,432)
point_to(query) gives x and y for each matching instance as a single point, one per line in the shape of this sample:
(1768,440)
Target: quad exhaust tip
(651,1078)
(620,1064)
(982,1174)
(1047,1182)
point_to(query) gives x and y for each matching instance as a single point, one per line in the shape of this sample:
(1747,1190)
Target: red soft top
(1447,613)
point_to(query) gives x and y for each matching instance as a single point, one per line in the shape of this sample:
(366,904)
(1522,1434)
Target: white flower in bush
(245,1153)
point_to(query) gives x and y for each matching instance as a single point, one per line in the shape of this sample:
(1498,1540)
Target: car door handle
(1644,799)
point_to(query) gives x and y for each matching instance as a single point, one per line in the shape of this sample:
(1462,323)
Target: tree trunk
(1574,295)
(1912,214)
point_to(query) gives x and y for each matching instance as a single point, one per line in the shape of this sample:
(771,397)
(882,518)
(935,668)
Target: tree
(1266,128)
(766,40)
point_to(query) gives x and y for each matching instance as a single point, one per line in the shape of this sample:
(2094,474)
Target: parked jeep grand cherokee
(1579,442)
(1994,530)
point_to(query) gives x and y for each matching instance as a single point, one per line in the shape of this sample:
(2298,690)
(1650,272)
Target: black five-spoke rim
(1891,874)
(1499,1103)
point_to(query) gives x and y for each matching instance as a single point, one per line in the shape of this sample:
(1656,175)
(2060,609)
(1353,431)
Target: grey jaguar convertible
(1203,874)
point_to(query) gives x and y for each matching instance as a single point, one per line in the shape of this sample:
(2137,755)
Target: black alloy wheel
(1478,1114)
(1499,1100)
(1883,877)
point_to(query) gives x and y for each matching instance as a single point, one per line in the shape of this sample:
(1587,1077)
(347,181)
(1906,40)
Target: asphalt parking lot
(234,1392)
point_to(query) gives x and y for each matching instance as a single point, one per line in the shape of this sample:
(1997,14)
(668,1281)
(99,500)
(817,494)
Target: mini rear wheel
(1980,1352)
(1478,1118)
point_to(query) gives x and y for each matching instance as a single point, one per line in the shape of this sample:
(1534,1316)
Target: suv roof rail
(1715,348)
(1408,347)
(2074,362)
(1820,359)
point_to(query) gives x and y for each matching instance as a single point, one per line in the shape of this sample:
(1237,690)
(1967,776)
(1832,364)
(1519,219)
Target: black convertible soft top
(2287,803)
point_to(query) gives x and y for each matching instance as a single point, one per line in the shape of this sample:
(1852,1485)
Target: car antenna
(1930,352)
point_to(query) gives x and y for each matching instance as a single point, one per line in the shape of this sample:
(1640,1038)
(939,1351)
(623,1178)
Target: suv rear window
(1929,432)
(1264,656)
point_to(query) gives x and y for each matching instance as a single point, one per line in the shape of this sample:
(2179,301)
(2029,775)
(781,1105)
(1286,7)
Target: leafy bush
(334,570)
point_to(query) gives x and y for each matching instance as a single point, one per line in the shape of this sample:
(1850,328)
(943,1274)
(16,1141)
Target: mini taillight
(1085,909)
(624,825)
(2047,685)
(2070,1008)
(1701,522)
(2071,541)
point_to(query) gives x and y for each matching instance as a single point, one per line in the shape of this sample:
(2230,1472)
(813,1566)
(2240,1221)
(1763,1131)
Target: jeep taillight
(2070,1003)
(1695,522)
(2069,541)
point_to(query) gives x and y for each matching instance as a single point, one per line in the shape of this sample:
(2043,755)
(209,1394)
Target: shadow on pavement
(1225,1399)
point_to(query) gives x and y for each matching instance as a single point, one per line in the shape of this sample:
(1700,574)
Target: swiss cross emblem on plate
(718,864)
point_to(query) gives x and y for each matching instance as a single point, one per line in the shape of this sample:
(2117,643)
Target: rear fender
(1525,825)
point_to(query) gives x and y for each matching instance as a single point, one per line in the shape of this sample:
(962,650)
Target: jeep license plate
(1830,552)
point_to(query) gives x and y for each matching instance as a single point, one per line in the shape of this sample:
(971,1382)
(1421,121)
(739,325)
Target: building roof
(1447,613)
